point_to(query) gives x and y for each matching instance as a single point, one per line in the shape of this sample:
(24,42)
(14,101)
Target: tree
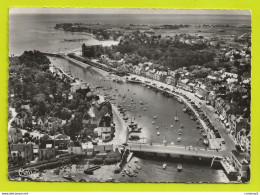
(65,114)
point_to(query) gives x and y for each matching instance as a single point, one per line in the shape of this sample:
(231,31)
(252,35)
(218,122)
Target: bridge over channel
(173,150)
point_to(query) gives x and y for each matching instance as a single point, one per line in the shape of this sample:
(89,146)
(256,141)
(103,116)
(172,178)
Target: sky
(47,10)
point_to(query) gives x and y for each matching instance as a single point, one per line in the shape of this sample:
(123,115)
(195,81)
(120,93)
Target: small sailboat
(176,117)
(157,127)
(180,132)
(164,166)
(179,167)
(206,142)
(153,122)
(179,139)
(171,126)
(154,116)
(158,133)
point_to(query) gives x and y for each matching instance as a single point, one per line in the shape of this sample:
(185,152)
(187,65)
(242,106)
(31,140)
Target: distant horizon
(125,11)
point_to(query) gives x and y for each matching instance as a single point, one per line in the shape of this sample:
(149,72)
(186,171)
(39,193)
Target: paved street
(173,149)
(210,112)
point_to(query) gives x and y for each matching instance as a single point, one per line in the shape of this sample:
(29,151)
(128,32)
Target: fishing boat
(179,139)
(176,117)
(90,169)
(125,118)
(134,137)
(164,166)
(129,173)
(180,100)
(206,142)
(179,167)
(158,133)
(68,176)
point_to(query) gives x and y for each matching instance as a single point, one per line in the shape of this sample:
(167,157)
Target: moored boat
(206,142)
(164,166)
(179,167)
(68,176)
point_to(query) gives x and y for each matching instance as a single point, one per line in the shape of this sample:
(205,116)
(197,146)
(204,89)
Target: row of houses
(43,123)
(47,149)
(89,149)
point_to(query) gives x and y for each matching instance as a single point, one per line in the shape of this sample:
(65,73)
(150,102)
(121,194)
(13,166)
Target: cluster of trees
(107,161)
(31,82)
(171,55)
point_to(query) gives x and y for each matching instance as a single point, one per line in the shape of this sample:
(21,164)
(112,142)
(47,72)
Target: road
(214,119)
(173,149)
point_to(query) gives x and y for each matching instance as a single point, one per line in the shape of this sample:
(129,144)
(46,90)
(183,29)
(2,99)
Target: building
(170,80)
(14,135)
(41,121)
(20,119)
(46,150)
(79,85)
(62,142)
(87,149)
(53,124)
(102,148)
(241,163)
(105,133)
(243,140)
(91,51)
(75,148)
(20,152)
(183,83)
